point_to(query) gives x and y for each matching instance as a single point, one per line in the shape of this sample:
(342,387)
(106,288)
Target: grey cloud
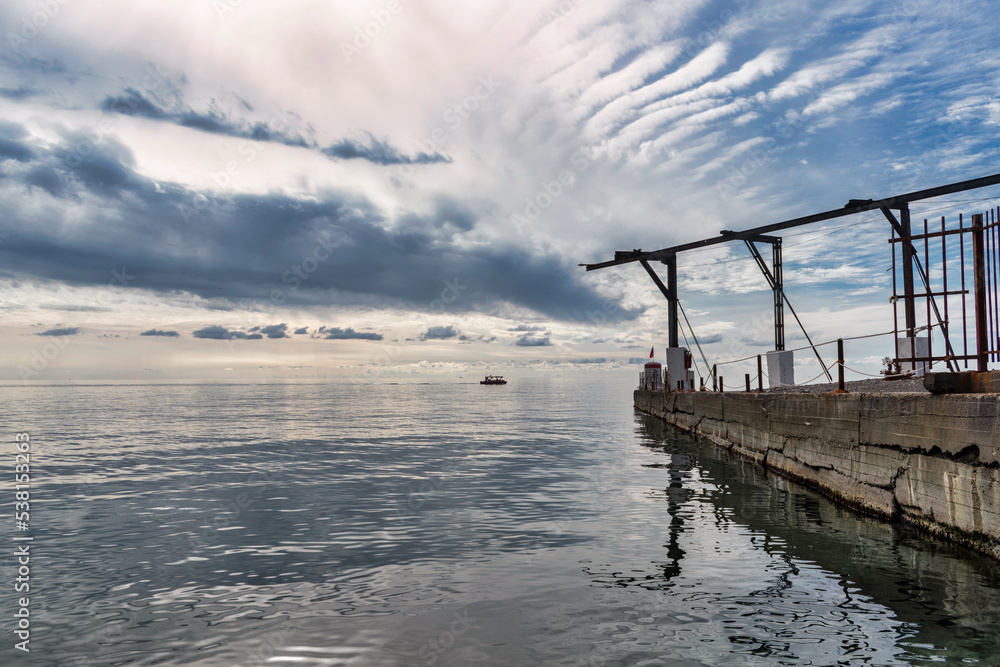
(530,341)
(216,332)
(335,333)
(67,331)
(20,93)
(275,331)
(379,152)
(525,328)
(302,330)
(439,333)
(75,308)
(237,249)
(133,103)
(11,146)
(158,332)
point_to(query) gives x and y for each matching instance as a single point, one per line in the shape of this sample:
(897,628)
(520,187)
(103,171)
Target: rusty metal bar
(927,287)
(760,375)
(965,320)
(944,280)
(895,299)
(979,268)
(932,235)
(840,364)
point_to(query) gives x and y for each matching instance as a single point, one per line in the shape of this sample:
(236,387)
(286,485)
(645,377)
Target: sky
(384,191)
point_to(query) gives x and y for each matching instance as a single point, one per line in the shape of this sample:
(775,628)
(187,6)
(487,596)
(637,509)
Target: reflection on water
(539,523)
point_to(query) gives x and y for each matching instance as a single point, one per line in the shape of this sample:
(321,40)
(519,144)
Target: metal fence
(959,271)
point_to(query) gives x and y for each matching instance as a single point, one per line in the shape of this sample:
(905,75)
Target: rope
(708,368)
(809,347)
(825,371)
(860,373)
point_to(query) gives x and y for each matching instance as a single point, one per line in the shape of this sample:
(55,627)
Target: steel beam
(670,292)
(852,207)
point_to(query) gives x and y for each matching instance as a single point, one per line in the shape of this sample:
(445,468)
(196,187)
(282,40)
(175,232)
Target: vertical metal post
(671,263)
(965,315)
(909,254)
(840,364)
(930,299)
(715,377)
(779,296)
(722,387)
(760,374)
(748,383)
(979,268)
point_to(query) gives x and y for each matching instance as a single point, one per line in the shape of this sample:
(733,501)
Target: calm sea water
(541,523)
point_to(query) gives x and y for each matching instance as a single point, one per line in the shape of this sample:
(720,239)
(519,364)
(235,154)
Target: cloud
(335,333)
(134,103)
(379,152)
(216,332)
(67,331)
(11,146)
(275,331)
(526,328)
(301,330)
(531,341)
(439,333)
(158,332)
(239,248)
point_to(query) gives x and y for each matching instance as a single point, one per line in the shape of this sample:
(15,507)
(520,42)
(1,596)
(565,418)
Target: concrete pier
(932,461)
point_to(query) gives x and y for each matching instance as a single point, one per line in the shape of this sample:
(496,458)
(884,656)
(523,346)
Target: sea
(544,522)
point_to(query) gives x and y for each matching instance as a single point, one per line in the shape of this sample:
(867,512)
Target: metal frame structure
(901,227)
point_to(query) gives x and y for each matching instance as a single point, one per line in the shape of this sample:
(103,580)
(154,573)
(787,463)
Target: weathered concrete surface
(929,460)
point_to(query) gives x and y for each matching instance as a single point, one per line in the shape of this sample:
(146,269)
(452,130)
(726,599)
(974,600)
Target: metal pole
(748,383)
(779,297)
(760,374)
(722,387)
(715,378)
(909,300)
(672,303)
(840,365)
(979,264)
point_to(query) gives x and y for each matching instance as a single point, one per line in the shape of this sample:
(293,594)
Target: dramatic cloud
(301,331)
(246,247)
(158,332)
(379,152)
(67,331)
(275,331)
(439,333)
(133,103)
(335,333)
(531,341)
(215,332)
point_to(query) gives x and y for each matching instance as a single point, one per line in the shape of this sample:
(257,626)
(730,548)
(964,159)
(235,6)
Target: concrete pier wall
(932,461)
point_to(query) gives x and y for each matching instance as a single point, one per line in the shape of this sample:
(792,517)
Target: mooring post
(760,374)
(715,377)
(748,383)
(979,264)
(840,365)
(722,387)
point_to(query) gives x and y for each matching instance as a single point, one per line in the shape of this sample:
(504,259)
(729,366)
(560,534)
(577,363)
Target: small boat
(493,379)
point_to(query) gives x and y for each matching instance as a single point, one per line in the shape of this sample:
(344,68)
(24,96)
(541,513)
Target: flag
(650,353)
